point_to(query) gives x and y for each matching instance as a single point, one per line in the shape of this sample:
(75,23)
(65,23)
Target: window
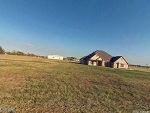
(121,65)
(91,62)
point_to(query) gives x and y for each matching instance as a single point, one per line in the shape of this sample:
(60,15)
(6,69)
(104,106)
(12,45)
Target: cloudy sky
(77,27)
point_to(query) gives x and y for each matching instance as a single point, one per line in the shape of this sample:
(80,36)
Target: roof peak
(99,50)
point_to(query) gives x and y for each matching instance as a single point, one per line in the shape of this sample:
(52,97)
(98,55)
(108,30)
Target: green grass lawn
(36,85)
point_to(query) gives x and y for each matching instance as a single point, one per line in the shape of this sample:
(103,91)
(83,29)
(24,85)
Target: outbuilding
(55,57)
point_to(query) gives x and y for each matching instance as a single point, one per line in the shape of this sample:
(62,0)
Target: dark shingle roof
(82,58)
(105,56)
(113,59)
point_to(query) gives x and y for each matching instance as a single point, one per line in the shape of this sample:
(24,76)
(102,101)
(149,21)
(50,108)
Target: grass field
(36,85)
(140,68)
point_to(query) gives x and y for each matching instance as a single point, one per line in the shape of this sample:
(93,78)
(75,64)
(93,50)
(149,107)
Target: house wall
(103,63)
(55,57)
(94,57)
(93,63)
(117,64)
(89,62)
(82,61)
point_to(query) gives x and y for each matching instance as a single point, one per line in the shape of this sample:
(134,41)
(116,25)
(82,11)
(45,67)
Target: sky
(77,27)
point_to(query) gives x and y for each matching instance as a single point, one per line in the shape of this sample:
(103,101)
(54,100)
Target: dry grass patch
(42,85)
(140,68)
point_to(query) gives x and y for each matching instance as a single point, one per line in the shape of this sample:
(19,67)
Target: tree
(147,66)
(14,52)
(30,54)
(20,53)
(2,51)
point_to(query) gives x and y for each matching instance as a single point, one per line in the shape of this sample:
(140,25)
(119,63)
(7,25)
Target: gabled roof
(105,56)
(113,59)
(82,58)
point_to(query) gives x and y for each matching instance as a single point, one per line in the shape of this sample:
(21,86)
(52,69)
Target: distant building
(97,58)
(55,57)
(71,58)
(101,58)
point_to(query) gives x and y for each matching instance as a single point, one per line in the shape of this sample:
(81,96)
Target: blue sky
(77,27)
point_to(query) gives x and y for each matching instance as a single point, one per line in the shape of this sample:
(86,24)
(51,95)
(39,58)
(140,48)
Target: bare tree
(2,51)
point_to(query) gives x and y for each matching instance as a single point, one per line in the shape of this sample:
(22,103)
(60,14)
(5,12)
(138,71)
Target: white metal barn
(55,57)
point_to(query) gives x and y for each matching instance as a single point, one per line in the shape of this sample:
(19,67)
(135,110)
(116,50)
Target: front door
(117,65)
(99,63)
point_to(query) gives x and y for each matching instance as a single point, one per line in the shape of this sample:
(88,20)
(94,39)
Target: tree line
(2,51)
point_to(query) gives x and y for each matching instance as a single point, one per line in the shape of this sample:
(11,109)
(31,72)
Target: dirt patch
(10,82)
(12,79)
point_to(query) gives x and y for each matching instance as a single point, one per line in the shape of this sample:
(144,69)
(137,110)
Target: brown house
(101,58)
(97,58)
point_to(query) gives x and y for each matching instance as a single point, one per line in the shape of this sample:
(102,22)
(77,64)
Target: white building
(55,57)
